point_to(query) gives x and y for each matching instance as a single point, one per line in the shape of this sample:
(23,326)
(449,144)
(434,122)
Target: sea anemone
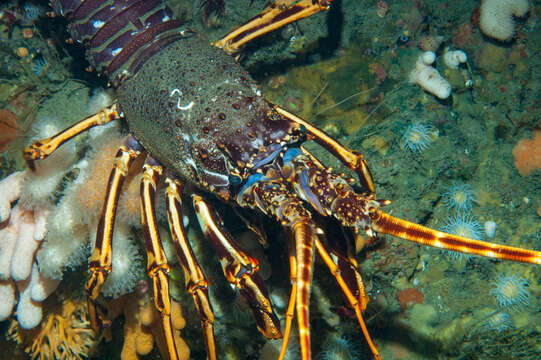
(510,291)
(40,65)
(418,137)
(498,322)
(338,347)
(126,266)
(459,196)
(463,224)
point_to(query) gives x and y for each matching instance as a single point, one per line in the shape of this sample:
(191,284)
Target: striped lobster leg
(240,270)
(43,148)
(273,17)
(290,311)
(157,266)
(196,283)
(100,261)
(344,269)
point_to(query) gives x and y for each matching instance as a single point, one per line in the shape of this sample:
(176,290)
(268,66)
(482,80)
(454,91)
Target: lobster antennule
(387,224)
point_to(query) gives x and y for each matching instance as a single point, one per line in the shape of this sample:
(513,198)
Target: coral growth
(490,228)
(52,221)
(65,334)
(496,17)
(453,58)
(88,191)
(428,78)
(527,154)
(143,325)
(76,215)
(21,237)
(41,186)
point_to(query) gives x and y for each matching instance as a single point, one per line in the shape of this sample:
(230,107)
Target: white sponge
(428,77)
(453,58)
(496,17)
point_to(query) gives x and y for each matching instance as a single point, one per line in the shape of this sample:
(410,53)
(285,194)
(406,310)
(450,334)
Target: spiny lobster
(198,116)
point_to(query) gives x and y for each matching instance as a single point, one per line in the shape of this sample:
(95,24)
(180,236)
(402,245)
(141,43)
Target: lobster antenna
(387,224)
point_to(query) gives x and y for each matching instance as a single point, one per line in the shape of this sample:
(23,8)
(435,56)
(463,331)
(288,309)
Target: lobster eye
(234,179)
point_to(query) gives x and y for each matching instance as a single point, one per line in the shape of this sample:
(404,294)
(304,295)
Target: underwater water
(468,164)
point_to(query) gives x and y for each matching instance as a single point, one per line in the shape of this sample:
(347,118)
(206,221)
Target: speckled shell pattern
(202,116)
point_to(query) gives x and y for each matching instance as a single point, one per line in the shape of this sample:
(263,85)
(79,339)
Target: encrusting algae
(65,333)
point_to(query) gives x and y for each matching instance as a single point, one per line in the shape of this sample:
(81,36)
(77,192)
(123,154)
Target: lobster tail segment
(120,35)
(387,224)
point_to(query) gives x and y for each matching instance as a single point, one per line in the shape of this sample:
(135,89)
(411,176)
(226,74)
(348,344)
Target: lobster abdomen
(120,35)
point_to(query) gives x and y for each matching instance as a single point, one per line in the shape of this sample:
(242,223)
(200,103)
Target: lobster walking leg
(43,148)
(240,269)
(196,283)
(358,303)
(273,17)
(100,261)
(341,250)
(290,312)
(352,159)
(157,266)
(300,242)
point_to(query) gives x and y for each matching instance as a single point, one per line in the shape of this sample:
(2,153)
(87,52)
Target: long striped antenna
(387,224)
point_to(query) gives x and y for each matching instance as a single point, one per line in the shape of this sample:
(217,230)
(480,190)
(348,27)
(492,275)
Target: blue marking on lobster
(252,179)
(290,154)
(308,194)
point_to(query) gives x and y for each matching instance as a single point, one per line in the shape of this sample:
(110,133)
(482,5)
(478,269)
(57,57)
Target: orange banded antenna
(387,224)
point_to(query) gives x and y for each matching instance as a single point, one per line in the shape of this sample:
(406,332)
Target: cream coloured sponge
(496,17)
(428,78)
(453,58)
